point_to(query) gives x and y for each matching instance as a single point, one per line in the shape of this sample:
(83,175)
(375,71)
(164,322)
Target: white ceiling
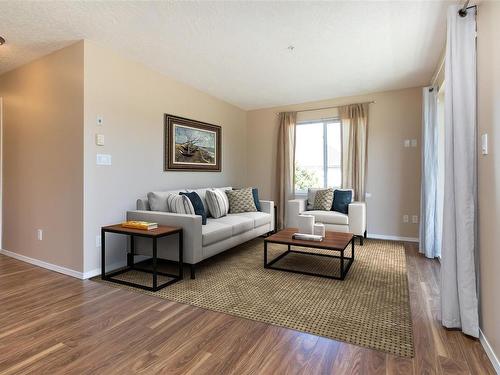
(237,51)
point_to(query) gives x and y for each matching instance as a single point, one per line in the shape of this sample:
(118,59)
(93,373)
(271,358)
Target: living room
(309,118)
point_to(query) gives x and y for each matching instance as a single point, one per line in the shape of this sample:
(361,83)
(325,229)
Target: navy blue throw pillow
(199,209)
(341,200)
(256,200)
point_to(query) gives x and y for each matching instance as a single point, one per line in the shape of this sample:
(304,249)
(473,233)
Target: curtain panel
(459,301)
(285,168)
(354,120)
(430,222)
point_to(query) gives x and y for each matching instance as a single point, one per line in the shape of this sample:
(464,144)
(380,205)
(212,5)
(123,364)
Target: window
(318,147)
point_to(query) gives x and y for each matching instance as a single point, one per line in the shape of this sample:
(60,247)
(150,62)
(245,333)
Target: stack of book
(307,237)
(139,225)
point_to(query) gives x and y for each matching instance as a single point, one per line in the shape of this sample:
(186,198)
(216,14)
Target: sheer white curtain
(459,302)
(430,223)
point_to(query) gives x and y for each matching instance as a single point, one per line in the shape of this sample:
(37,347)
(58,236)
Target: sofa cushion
(158,199)
(198,207)
(241,200)
(217,202)
(259,218)
(239,224)
(180,204)
(329,217)
(215,231)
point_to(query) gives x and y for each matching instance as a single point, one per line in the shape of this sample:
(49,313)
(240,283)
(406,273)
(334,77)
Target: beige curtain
(285,169)
(354,119)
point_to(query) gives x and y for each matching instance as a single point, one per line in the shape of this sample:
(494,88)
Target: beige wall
(43,158)
(133,99)
(488,55)
(393,171)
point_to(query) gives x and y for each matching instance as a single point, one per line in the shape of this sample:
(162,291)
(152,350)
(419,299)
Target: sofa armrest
(294,208)
(191,228)
(357,218)
(268,207)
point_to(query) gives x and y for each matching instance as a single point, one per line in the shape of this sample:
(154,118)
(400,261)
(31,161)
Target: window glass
(318,149)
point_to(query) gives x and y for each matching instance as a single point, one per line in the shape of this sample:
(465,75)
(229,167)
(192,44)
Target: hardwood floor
(51,323)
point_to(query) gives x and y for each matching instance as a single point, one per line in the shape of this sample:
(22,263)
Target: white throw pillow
(180,204)
(217,202)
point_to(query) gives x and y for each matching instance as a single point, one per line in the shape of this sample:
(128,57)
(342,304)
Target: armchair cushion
(341,200)
(323,200)
(329,217)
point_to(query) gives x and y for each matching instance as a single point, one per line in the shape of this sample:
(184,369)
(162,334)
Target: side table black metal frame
(130,259)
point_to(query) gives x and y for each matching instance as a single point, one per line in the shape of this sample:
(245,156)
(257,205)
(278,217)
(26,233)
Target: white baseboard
(63,270)
(392,238)
(97,271)
(489,352)
(41,263)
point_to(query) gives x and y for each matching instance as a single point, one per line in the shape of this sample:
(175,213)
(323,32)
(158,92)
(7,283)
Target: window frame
(324,122)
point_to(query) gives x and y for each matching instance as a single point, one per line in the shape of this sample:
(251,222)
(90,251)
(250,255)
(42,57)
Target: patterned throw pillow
(323,200)
(180,204)
(241,201)
(217,202)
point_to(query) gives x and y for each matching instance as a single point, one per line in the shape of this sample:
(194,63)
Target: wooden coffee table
(333,241)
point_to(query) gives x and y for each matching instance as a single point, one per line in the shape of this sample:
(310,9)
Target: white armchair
(354,221)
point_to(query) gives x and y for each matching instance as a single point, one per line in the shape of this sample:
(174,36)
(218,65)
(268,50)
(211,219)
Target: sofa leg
(364,235)
(192,269)
(361,240)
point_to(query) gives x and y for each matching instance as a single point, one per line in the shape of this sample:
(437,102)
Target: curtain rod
(334,106)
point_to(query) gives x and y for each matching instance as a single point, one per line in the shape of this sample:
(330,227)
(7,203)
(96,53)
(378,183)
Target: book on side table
(139,225)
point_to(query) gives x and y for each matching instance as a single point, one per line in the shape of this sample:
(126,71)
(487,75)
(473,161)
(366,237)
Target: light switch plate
(39,234)
(414,219)
(413,143)
(99,139)
(405,218)
(103,159)
(407,143)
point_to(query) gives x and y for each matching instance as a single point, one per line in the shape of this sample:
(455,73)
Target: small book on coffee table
(307,237)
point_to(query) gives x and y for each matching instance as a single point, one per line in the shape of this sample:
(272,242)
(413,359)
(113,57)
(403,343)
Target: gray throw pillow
(241,200)
(323,200)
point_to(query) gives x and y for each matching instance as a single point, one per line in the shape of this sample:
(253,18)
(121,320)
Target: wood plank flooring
(51,323)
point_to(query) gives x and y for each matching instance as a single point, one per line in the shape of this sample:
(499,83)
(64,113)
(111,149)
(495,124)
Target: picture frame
(191,146)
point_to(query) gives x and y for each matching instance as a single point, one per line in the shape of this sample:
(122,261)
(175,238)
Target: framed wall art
(192,145)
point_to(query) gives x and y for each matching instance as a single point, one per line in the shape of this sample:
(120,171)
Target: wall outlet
(97,241)
(405,219)
(39,234)
(414,219)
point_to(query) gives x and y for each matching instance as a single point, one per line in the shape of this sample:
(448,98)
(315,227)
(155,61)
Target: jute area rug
(370,308)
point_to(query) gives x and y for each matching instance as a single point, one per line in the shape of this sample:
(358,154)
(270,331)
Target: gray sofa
(202,241)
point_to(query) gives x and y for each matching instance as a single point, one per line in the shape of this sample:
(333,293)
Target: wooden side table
(154,234)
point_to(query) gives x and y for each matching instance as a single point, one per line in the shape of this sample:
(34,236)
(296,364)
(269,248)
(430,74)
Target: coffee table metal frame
(345,262)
